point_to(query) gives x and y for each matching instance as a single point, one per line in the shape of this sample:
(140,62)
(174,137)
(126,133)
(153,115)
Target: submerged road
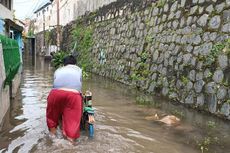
(122,126)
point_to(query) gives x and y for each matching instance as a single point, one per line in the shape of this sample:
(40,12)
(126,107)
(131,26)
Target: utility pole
(44,30)
(58,26)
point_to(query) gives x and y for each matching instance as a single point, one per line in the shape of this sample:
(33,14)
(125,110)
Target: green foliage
(57,60)
(184,80)
(227,47)
(30,33)
(209,74)
(144,56)
(225,83)
(141,72)
(141,100)
(136,77)
(216,50)
(148,39)
(204,144)
(161,3)
(47,37)
(31,29)
(11,58)
(211,124)
(228,101)
(83,36)
(209,138)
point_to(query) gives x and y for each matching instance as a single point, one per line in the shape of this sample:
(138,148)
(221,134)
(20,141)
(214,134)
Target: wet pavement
(121,124)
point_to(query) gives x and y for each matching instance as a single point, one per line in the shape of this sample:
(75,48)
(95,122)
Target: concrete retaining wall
(4,91)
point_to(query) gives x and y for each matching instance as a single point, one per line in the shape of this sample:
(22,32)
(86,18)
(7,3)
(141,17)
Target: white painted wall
(69,11)
(4,92)
(40,20)
(81,6)
(5,13)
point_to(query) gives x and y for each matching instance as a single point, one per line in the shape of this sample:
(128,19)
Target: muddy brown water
(121,125)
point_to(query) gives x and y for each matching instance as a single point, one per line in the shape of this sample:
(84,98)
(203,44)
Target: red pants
(68,105)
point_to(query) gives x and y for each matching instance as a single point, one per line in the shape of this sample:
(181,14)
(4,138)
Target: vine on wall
(82,36)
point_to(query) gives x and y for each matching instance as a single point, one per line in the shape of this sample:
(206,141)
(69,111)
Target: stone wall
(175,47)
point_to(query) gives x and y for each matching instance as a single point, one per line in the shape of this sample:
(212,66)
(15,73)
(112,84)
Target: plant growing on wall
(31,29)
(141,72)
(48,37)
(217,49)
(161,3)
(83,37)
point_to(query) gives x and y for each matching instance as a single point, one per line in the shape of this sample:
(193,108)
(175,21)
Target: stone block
(182,4)
(189,86)
(192,75)
(193,9)
(202,21)
(211,88)
(220,7)
(212,103)
(226,16)
(198,86)
(190,98)
(226,28)
(223,61)
(200,100)
(218,76)
(165,91)
(174,6)
(215,22)
(210,9)
(228,2)
(221,93)
(225,109)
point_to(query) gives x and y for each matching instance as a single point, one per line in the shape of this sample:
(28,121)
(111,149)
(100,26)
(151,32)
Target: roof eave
(44,6)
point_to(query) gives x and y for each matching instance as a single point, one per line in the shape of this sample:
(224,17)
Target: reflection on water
(120,123)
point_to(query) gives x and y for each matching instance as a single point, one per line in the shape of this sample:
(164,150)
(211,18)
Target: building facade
(6,9)
(69,10)
(8,28)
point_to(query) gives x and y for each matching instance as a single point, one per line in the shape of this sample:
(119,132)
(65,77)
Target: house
(10,56)
(42,17)
(46,17)
(5,12)
(69,10)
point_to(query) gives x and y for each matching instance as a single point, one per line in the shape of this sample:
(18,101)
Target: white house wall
(69,11)
(5,13)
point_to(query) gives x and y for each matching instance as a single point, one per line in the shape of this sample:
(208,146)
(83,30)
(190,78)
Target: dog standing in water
(169,120)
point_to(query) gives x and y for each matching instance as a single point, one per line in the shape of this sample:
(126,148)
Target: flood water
(121,124)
